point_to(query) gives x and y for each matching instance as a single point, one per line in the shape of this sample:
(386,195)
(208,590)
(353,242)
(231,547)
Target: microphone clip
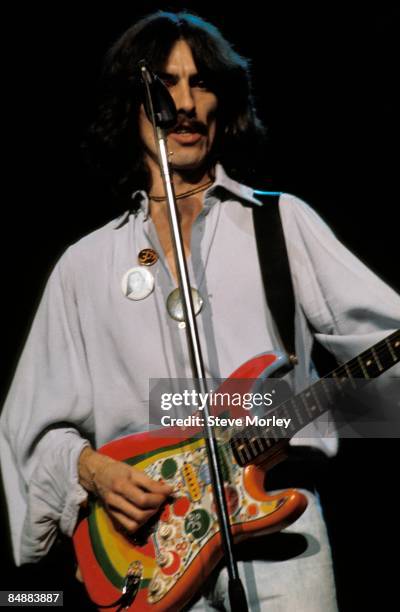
(158,102)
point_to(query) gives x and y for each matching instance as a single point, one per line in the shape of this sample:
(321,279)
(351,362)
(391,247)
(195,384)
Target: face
(190,141)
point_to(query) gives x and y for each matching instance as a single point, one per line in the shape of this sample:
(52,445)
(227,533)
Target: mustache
(191,125)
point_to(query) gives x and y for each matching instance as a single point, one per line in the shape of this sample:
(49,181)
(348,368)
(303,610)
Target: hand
(129,496)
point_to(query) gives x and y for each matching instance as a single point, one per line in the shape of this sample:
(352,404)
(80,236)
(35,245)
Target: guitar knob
(155,586)
(165,531)
(165,559)
(169,561)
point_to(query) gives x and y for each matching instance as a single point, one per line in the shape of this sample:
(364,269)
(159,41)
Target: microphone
(158,97)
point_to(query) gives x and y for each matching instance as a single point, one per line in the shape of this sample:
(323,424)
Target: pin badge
(175,306)
(137,283)
(147,257)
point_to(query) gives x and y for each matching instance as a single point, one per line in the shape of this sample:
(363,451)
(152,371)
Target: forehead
(180,59)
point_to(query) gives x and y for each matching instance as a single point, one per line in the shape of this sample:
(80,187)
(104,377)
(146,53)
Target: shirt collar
(222,184)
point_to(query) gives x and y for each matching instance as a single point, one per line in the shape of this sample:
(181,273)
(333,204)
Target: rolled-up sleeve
(46,422)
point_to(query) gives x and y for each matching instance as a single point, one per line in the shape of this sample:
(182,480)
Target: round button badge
(147,257)
(137,283)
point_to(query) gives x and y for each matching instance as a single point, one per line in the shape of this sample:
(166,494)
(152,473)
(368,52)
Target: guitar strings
(380,348)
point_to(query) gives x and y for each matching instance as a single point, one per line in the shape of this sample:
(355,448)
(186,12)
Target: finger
(128,524)
(116,503)
(153,486)
(140,498)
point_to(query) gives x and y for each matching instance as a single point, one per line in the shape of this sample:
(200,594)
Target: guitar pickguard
(185,526)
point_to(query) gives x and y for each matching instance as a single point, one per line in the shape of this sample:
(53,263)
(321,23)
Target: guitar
(161,566)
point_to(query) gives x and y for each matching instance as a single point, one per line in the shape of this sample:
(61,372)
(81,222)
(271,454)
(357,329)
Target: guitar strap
(275,269)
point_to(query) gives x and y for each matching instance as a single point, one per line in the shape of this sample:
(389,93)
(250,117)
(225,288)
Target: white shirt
(85,369)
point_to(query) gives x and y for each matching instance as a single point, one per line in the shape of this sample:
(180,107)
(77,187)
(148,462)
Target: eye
(168,81)
(199,81)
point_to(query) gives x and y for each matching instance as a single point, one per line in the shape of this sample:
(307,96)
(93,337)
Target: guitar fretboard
(252,442)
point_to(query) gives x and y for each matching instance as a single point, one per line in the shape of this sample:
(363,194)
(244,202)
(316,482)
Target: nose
(183,98)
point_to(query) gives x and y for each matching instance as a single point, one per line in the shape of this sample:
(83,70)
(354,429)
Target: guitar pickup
(191,482)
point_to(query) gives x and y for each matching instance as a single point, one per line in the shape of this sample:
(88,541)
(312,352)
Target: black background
(325,85)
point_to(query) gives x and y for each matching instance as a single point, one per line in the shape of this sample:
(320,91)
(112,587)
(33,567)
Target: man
(83,377)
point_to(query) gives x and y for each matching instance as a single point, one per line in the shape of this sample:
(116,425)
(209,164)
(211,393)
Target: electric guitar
(161,566)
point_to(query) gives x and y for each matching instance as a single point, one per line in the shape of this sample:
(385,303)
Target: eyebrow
(166,75)
(175,77)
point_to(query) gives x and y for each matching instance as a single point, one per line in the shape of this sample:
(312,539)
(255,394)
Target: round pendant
(147,257)
(175,306)
(137,283)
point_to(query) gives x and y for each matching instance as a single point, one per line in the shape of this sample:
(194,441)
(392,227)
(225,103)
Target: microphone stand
(161,111)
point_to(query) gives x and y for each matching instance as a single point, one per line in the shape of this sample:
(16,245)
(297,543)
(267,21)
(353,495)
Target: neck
(183,180)
(189,204)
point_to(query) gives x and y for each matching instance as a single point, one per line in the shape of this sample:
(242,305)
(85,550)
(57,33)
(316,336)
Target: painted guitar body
(175,553)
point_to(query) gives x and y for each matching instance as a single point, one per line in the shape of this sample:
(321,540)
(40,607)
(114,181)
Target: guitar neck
(252,442)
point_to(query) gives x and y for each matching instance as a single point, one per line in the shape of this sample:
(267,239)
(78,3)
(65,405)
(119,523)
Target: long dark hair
(113,146)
